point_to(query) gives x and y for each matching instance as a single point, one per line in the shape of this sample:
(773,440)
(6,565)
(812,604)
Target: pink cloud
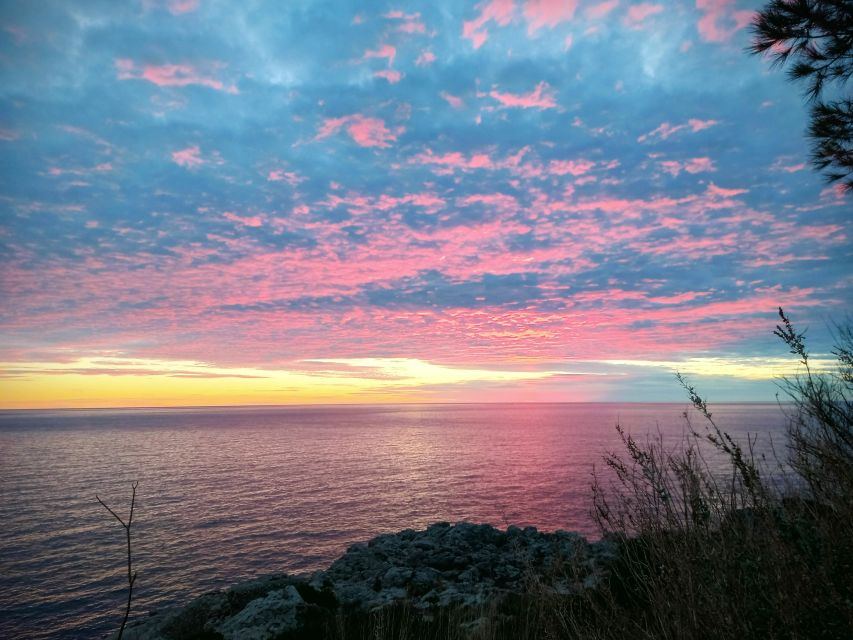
(679,298)
(700,125)
(182,6)
(175,7)
(688,245)
(627,208)
(425,59)
(548,13)
(786,164)
(396,14)
(671,166)
(411,21)
(391,75)
(714,190)
(7,135)
(102,167)
(720,21)
(542,97)
(665,129)
(610,326)
(498,11)
(654,319)
(600,10)
(638,13)
(246,221)
(428,201)
(125,67)
(169,75)
(513,163)
(291,177)
(371,132)
(835,191)
(365,131)
(830,233)
(452,100)
(454,160)
(573,167)
(498,201)
(693,165)
(189,157)
(480,161)
(386,51)
(699,165)
(412,26)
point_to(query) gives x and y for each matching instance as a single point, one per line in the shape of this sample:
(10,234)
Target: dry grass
(742,554)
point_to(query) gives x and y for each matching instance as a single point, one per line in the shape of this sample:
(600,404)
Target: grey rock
(463,564)
(397,576)
(265,617)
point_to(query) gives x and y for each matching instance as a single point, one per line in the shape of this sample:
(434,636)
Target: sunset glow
(281,203)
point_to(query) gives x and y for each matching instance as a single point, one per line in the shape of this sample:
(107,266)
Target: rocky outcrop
(465,565)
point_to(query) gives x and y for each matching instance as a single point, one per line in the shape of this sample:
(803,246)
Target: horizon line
(375,404)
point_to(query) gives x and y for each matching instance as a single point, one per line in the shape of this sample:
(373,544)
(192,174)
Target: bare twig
(131,576)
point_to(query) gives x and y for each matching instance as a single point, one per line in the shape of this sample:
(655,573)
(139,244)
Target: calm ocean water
(228,494)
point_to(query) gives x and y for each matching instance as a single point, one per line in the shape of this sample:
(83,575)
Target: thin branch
(115,515)
(131,576)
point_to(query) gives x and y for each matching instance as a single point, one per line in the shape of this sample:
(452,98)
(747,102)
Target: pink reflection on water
(226,495)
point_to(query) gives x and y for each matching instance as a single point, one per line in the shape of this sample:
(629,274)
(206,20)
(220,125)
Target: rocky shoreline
(463,565)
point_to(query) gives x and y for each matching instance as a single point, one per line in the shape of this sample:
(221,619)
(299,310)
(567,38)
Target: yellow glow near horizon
(744,368)
(427,373)
(117,382)
(110,381)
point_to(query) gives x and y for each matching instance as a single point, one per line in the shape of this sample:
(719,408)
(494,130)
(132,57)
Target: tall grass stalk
(744,553)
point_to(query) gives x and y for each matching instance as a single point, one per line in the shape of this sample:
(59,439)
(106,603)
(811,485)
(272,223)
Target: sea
(229,494)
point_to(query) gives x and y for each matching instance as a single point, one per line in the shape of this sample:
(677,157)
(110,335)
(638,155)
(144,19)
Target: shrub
(746,553)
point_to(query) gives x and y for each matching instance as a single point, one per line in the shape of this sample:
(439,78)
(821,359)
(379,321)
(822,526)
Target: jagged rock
(465,565)
(265,617)
(397,576)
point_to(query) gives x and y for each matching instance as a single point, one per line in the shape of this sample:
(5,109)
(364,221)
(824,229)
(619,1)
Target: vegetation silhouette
(131,575)
(816,37)
(719,542)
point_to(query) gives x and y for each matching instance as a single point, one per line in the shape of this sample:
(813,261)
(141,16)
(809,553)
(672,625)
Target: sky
(209,203)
